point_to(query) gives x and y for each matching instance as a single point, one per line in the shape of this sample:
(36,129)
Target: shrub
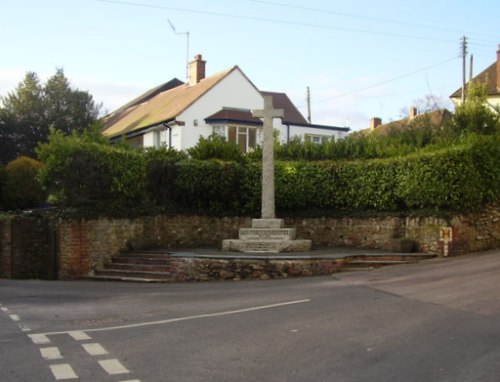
(216,147)
(209,187)
(22,189)
(161,174)
(2,184)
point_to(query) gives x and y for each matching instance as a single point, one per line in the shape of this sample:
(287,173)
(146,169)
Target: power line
(273,21)
(362,17)
(383,82)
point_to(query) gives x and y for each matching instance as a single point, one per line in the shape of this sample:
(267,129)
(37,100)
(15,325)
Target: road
(438,320)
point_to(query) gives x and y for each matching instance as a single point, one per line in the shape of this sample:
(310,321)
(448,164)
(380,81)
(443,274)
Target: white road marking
(24,328)
(63,371)
(4,309)
(79,335)
(14,317)
(188,318)
(113,366)
(39,339)
(94,349)
(132,380)
(51,353)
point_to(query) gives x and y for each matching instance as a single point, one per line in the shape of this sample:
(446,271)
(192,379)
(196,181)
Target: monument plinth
(268,233)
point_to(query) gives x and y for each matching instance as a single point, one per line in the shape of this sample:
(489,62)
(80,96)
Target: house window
(244,137)
(220,130)
(160,138)
(318,139)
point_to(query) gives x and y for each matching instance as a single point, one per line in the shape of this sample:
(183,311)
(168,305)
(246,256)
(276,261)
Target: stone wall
(84,245)
(27,248)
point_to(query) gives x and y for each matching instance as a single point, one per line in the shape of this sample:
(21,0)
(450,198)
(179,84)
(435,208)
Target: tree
(475,114)
(27,113)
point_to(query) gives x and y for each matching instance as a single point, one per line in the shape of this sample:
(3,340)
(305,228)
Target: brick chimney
(196,70)
(413,112)
(374,122)
(498,68)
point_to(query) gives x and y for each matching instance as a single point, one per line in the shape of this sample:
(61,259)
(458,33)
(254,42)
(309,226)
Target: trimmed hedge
(459,178)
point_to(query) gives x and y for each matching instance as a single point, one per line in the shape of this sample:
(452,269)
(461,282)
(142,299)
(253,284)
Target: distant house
(491,77)
(435,119)
(177,114)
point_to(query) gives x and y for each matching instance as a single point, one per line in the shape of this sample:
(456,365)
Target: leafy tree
(476,115)
(27,113)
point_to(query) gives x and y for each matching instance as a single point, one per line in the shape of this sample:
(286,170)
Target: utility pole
(471,66)
(464,57)
(308,98)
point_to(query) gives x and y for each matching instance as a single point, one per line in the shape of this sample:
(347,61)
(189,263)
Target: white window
(318,139)
(220,130)
(244,137)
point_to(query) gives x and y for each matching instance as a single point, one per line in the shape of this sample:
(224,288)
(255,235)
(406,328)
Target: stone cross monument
(268,114)
(267,234)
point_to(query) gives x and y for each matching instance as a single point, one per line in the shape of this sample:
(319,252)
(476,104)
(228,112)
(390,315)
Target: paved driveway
(434,321)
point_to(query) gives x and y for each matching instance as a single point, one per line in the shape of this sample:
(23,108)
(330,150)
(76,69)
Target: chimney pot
(413,112)
(196,70)
(374,122)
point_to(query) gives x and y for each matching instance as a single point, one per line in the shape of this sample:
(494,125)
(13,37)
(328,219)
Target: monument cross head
(268,114)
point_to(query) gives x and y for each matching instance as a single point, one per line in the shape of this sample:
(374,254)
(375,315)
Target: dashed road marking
(14,317)
(51,353)
(94,349)
(4,309)
(79,335)
(113,366)
(24,328)
(63,371)
(39,339)
(132,380)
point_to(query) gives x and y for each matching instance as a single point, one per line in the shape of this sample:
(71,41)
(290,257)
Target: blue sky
(360,58)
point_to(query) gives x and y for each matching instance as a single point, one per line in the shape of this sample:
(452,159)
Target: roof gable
(488,77)
(290,113)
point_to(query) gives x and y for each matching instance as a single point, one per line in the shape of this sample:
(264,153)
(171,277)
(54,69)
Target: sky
(360,58)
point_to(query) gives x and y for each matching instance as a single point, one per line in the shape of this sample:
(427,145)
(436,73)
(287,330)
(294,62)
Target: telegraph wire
(382,82)
(362,17)
(273,21)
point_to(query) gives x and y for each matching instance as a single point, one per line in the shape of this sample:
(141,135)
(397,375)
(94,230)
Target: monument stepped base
(266,236)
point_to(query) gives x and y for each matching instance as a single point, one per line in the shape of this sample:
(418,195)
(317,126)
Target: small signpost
(446,236)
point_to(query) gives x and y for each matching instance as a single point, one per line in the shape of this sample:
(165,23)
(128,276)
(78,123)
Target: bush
(216,147)
(2,184)
(209,187)
(22,189)
(83,171)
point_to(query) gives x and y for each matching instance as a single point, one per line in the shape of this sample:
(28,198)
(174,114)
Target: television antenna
(187,46)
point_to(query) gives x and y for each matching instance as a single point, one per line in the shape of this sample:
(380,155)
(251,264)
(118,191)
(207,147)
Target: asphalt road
(438,320)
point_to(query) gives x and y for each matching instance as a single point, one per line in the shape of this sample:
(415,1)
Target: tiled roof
(488,77)
(228,115)
(436,119)
(291,113)
(161,107)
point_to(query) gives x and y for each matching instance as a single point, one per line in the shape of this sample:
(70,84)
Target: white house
(177,114)
(491,78)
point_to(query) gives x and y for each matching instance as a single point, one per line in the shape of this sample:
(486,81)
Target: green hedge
(459,178)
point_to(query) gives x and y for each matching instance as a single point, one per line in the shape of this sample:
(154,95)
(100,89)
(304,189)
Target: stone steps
(150,266)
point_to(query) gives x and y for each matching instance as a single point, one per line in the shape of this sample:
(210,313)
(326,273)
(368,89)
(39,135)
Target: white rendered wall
(232,91)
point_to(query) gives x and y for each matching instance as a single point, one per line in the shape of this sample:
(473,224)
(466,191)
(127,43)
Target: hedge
(459,178)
